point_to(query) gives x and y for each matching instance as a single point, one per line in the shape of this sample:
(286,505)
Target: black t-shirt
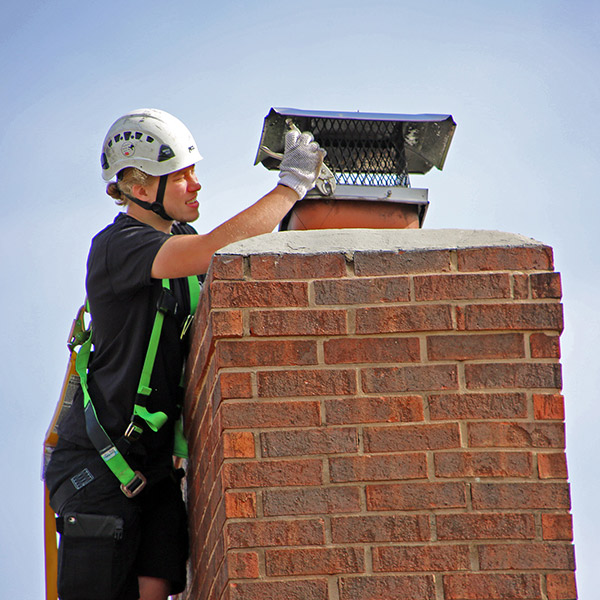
(122,297)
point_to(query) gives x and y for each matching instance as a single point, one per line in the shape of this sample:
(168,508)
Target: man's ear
(141,192)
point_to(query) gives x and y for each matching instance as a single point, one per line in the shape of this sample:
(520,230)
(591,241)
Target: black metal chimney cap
(368,143)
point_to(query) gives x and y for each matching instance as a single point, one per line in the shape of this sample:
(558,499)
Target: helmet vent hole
(165,153)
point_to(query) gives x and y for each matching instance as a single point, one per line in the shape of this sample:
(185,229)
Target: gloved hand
(301,163)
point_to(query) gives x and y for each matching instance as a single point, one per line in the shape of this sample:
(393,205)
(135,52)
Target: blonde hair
(127,178)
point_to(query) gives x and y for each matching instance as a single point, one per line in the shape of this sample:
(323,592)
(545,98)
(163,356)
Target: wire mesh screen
(367,149)
(362,152)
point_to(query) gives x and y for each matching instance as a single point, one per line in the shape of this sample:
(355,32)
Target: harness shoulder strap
(194,288)
(157,419)
(154,420)
(132,482)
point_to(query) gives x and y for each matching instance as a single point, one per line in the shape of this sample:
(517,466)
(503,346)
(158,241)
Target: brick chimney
(377,415)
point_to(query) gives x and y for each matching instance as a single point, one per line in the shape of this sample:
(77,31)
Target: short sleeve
(125,254)
(130,256)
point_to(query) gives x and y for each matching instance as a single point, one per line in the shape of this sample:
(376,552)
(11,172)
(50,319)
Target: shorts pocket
(88,556)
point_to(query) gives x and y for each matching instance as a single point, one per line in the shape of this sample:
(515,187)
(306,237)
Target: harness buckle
(133,431)
(135,486)
(166,303)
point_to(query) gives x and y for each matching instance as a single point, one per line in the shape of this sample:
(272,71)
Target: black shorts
(101,559)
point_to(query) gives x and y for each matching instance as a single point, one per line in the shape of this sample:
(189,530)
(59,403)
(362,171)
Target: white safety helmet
(149,139)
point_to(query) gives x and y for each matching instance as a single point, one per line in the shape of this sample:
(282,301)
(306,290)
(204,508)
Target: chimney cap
(424,139)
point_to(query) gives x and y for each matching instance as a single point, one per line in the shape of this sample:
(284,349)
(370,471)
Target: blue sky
(519,77)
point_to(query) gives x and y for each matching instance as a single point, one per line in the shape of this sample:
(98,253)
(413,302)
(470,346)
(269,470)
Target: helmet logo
(127,149)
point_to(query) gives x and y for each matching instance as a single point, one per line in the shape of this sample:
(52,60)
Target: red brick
(520,495)
(311,501)
(242,565)
(497,586)
(478,347)
(226,323)
(362,291)
(485,526)
(372,350)
(460,287)
(235,385)
(371,587)
(237,415)
(214,571)
(378,468)
(518,434)
(380,528)
(477,406)
(240,504)
(513,375)
(505,259)
(544,346)
(241,294)
(201,352)
(252,353)
(526,556)
(409,379)
(297,266)
(400,262)
(561,586)
(198,330)
(483,464)
(520,286)
(298,322)
(411,437)
(512,316)
(261,533)
(415,496)
(421,558)
(227,266)
(318,382)
(309,441)
(200,378)
(259,473)
(305,589)
(238,444)
(549,407)
(374,410)
(552,466)
(209,498)
(545,285)
(403,319)
(210,450)
(314,561)
(557,527)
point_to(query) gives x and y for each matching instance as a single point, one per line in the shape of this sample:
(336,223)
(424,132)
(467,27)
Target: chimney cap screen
(365,148)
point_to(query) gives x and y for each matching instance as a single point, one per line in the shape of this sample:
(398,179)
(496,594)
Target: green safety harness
(132,482)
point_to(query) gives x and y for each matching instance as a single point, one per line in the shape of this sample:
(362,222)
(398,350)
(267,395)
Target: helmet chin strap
(156,206)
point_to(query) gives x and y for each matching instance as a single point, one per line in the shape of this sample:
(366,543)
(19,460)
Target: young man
(127,539)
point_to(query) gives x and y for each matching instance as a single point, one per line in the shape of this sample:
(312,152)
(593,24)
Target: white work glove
(301,163)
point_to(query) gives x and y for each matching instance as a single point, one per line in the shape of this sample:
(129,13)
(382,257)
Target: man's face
(180,195)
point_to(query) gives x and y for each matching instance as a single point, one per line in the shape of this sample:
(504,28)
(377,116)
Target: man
(124,536)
